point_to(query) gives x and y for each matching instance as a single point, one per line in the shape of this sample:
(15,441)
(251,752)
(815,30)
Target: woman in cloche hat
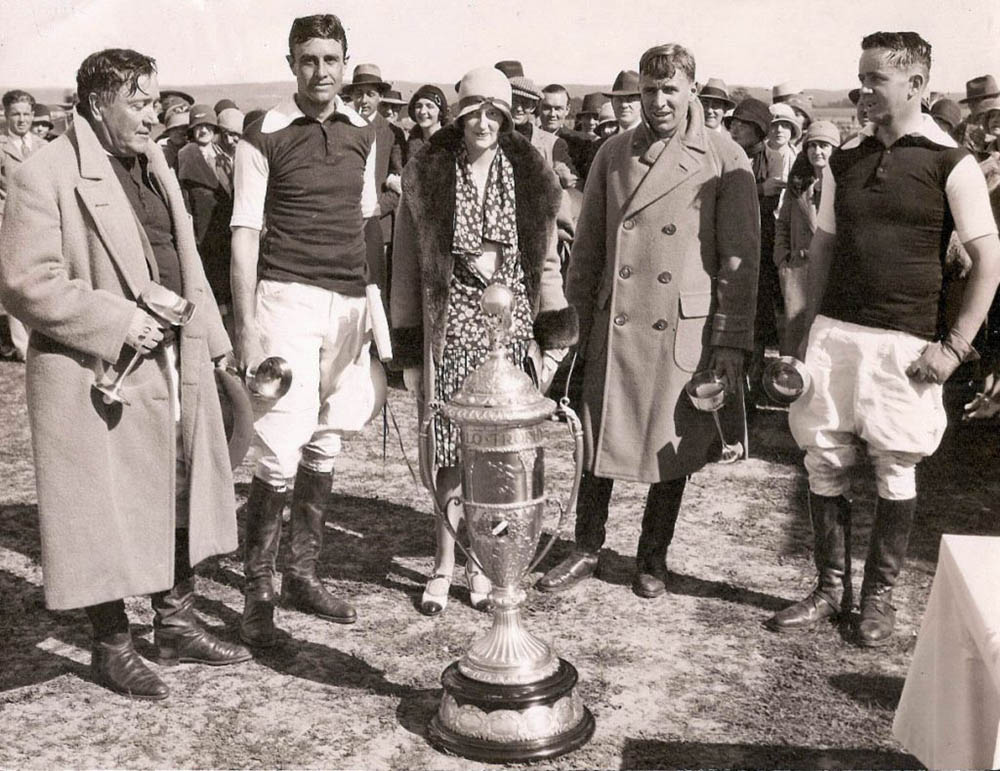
(478,208)
(428,110)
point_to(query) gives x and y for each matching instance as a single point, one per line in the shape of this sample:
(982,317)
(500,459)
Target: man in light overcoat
(130,496)
(663,277)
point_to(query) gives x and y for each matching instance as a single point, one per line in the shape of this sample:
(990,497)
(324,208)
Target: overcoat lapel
(680,159)
(104,200)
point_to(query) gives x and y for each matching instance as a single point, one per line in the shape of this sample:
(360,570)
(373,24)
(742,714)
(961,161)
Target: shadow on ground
(645,753)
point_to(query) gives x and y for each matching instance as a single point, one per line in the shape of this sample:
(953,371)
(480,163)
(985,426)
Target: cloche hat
(482,86)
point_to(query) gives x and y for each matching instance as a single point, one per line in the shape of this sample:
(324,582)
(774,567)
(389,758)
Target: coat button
(625,272)
(660,325)
(670,229)
(628,224)
(621,319)
(664,277)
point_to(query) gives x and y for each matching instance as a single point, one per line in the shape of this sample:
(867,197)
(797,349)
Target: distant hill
(251,96)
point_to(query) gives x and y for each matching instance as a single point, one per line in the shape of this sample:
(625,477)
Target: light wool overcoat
(73,260)
(664,266)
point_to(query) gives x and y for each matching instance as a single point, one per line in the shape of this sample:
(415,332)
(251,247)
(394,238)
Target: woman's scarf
(496,219)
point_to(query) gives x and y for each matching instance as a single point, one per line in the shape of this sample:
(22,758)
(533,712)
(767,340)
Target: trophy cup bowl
(510,698)
(269,379)
(707,393)
(785,379)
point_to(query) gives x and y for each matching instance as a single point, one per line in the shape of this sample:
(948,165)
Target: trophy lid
(498,392)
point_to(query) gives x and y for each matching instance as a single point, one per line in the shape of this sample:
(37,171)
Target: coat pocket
(691,323)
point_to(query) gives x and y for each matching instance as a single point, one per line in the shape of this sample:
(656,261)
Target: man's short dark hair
(17,96)
(325,26)
(556,88)
(106,72)
(906,49)
(664,61)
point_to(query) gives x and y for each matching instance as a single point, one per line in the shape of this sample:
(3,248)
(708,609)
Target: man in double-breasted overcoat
(130,496)
(663,277)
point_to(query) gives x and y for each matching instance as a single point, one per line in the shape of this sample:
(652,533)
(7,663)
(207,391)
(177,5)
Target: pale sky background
(750,42)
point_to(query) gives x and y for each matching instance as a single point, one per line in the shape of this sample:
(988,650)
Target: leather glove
(939,360)
(727,363)
(145,332)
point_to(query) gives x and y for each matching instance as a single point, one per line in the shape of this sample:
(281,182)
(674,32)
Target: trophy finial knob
(497,304)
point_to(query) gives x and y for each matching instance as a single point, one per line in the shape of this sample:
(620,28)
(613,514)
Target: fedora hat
(782,91)
(511,68)
(592,104)
(42,115)
(626,84)
(715,88)
(177,118)
(482,86)
(393,97)
(368,75)
(980,88)
(202,114)
(168,94)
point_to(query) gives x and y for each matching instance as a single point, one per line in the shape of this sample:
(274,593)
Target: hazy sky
(753,42)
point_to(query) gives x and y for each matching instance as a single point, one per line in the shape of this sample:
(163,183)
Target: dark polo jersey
(309,185)
(893,212)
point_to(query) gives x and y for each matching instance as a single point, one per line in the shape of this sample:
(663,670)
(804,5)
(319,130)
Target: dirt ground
(688,680)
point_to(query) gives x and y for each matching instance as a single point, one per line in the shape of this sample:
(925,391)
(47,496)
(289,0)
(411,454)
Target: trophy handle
(427,476)
(565,412)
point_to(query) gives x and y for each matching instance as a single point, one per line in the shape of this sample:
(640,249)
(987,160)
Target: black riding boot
(301,588)
(833,594)
(260,552)
(663,504)
(591,518)
(179,636)
(114,660)
(886,553)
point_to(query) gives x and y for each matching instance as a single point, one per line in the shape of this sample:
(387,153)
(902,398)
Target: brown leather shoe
(307,594)
(804,614)
(878,620)
(568,573)
(649,585)
(181,639)
(117,666)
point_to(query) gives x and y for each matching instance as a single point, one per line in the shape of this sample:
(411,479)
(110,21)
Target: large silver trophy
(510,698)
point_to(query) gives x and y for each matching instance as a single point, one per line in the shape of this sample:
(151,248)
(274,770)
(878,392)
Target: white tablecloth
(949,711)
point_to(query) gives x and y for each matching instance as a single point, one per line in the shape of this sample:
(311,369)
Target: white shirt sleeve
(969,201)
(369,193)
(826,219)
(250,170)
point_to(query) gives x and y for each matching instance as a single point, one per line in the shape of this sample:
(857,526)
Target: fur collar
(429,192)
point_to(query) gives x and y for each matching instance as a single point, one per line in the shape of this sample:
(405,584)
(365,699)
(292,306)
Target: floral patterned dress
(466,337)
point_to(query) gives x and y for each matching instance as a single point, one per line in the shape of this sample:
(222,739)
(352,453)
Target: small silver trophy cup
(510,698)
(170,308)
(269,378)
(707,393)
